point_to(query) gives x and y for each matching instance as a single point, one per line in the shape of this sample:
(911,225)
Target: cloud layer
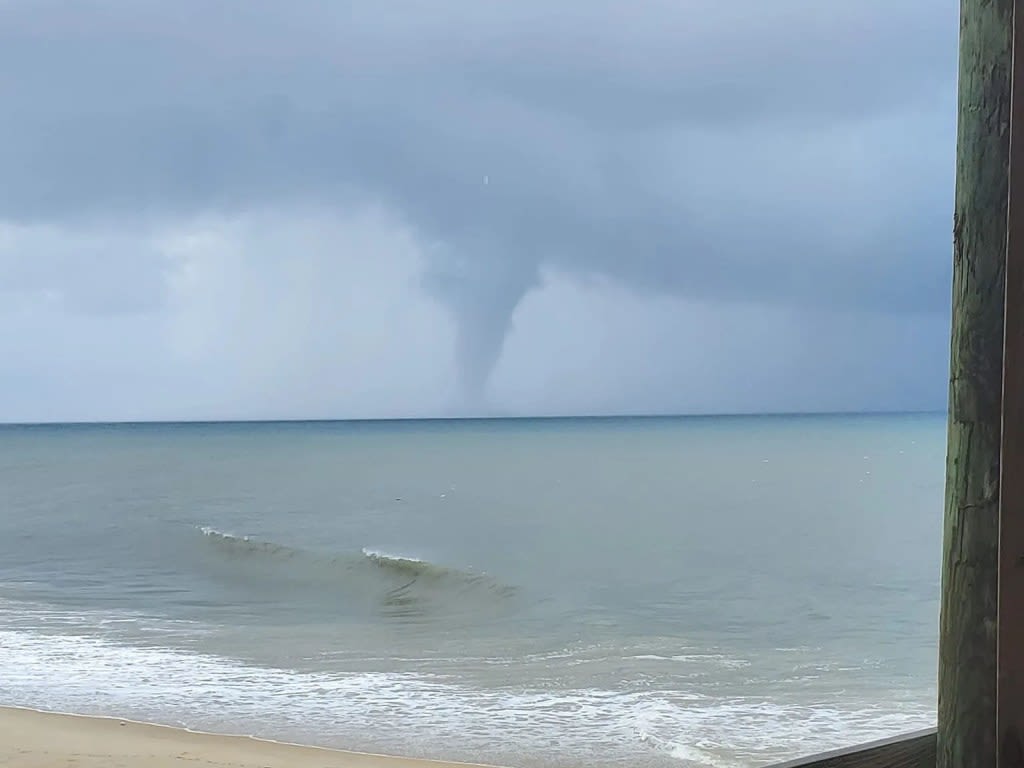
(704,207)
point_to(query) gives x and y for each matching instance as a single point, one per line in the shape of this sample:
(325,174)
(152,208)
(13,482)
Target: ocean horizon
(694,591)
(503,417)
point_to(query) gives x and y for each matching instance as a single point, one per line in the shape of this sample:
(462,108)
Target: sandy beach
(30,739)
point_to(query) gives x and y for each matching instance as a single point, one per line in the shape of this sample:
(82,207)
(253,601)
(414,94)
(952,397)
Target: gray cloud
(98,271)
(795,154)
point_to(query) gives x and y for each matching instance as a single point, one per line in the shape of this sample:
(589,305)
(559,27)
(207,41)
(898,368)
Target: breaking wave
(402,585)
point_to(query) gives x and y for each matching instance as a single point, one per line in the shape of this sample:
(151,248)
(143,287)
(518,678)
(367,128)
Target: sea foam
(420,713)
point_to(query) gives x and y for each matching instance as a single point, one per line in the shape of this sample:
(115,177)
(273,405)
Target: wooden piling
(967,634)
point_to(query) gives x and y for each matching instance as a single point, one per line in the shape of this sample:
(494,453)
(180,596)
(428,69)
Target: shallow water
(646,592)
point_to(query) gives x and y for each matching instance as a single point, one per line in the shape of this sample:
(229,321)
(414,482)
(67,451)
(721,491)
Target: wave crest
(399,584)
(242,545)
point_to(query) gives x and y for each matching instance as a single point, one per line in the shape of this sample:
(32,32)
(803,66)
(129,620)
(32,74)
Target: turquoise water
(578,592)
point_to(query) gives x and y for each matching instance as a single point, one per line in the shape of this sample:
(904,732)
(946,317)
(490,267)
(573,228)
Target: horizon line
(478,418)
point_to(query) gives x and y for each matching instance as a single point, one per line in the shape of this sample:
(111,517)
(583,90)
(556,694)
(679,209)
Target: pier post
(968,616)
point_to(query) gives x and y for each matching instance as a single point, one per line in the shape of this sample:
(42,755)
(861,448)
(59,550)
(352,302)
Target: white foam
(425,714)
(715,659)
(45,616)
(213,533)
(378,554)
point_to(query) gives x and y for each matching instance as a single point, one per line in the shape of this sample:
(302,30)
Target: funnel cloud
(356,209)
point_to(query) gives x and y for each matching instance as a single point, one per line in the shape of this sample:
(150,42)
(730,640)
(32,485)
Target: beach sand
(30,739)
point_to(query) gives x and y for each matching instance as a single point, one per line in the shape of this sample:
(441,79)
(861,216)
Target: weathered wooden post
(968,622)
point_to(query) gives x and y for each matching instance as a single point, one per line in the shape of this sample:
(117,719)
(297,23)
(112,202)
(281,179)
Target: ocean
(649,592)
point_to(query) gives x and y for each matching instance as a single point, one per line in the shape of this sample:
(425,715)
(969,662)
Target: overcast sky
(336,209)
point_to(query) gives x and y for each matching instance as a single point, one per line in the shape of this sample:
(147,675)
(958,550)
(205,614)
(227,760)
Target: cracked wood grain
(967,634)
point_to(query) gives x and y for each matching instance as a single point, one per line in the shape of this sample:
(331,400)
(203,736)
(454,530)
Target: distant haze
(354,209)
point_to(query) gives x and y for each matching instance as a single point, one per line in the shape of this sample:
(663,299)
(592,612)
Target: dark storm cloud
(794,152)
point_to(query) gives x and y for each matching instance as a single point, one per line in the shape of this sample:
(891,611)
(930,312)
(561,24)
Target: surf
(398,584)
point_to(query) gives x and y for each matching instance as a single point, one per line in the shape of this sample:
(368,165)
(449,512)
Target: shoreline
(34,738)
